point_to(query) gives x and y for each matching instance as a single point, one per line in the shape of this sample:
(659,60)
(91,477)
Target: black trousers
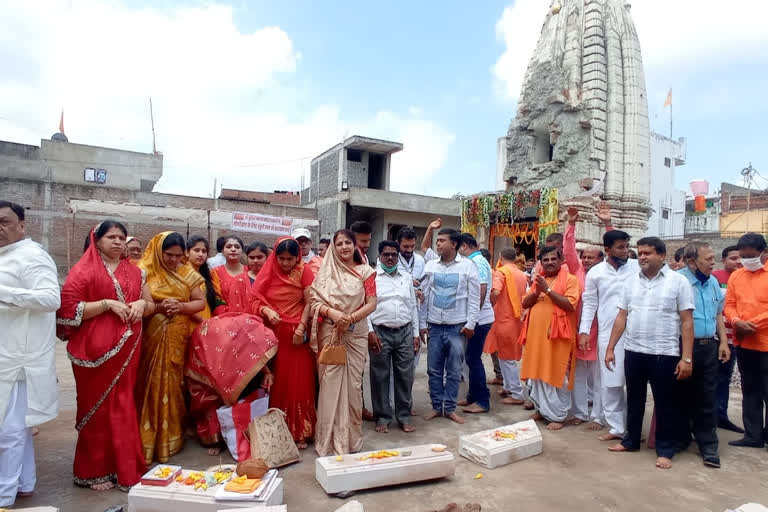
(639,370)
(753,366)
(699,397)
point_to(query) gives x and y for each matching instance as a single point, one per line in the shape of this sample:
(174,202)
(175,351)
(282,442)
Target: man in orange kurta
(549,336)
(745,309)
(509,285)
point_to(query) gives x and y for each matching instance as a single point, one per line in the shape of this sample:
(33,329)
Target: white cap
(301,232)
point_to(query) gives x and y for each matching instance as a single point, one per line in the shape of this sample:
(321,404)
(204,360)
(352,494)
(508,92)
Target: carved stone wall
(583,113)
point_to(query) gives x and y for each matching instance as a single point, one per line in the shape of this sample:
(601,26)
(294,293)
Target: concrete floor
(575,472)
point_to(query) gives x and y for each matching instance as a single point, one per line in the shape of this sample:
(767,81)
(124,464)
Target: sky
(247,92)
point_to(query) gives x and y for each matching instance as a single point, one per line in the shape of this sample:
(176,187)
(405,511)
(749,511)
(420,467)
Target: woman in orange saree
(177,296)
(343,294)
(280,291)
(102,304)
(233,278)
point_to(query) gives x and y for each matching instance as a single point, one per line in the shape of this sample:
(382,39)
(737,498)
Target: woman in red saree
(102,304)
(281,292)
(257,254)
(233,279)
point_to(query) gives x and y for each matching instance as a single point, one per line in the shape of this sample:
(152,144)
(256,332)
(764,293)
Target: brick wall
(50,221)
(328,169)
(284,198)
(715,240)
(357,174)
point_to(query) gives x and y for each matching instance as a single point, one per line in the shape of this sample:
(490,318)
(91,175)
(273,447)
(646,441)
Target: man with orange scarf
(549,335)
(509,284)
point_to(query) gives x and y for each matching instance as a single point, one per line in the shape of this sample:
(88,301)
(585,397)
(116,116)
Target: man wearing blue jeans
(478,397)
(452,296)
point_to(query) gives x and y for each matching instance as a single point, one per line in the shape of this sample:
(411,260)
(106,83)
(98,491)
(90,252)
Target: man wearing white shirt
(393,340)
(452,293)
(655,312)
(219,259)
(602,292)
(29,298)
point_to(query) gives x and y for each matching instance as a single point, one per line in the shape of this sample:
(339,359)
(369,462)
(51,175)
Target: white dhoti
(510,372)
(17,452)
(613,398)
(551,402)
(585,377)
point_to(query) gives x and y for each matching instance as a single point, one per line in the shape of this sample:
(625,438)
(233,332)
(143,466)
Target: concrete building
(582,116)
(743,210)
(68,188)
(667,218)
(350,182)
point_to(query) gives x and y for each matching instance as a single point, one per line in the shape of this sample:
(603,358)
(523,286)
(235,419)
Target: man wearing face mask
(603,288)
(745,308)
(698,393)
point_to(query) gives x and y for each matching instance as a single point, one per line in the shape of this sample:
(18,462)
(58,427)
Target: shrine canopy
(525,217)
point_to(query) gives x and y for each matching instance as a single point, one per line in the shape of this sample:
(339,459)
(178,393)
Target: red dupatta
(279,291)
(103,342)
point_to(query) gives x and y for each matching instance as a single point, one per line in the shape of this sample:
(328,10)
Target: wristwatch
(549,290)
(687,360)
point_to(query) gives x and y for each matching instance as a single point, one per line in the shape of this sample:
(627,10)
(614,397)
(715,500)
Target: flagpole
(670,119)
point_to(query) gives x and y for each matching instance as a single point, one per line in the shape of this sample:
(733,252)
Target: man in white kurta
(602,292)
(29,298)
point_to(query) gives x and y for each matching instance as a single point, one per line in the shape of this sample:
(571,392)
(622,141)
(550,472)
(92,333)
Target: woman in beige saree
(341,297)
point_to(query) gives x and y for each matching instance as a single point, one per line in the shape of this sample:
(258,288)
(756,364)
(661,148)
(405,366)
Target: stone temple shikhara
(582,117)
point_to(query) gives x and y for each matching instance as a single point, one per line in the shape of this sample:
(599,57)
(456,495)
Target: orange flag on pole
(668,102)
(61,122)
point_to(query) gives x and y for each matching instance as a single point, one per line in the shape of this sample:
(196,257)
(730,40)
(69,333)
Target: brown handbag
(333,353)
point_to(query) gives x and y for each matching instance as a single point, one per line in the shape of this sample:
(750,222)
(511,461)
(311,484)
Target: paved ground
(575,472)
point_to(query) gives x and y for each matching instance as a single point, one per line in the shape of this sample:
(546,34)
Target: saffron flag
(61,122)
(668,102)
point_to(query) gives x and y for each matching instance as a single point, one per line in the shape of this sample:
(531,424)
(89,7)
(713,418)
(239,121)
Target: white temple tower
(582,118)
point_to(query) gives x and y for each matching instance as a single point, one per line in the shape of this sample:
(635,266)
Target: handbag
(333,353)
(271,440)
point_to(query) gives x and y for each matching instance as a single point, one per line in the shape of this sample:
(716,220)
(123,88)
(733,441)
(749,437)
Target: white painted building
(667,201)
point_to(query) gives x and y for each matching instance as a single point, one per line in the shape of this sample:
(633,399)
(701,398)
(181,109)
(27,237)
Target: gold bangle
(104,307)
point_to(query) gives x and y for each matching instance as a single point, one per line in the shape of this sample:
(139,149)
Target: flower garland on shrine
(499,210)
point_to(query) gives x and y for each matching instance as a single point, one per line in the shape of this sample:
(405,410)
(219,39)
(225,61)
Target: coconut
(252,468)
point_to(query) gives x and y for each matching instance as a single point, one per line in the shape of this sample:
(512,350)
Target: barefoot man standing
(452,294)
(549,335)
(655,311)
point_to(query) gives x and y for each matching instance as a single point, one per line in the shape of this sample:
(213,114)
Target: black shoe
(712,461)
(747,443)
(726,424)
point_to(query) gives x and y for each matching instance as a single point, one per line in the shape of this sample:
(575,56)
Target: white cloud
(675,36)
(221,97)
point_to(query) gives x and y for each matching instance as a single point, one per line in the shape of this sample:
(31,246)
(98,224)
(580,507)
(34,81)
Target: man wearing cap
(312,260)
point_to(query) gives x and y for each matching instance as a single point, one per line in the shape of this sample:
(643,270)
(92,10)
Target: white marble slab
(275,508)
(414,464)
(489,450)
(147,498)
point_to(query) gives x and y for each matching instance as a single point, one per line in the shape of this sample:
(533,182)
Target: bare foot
(367,415)
(431,415)
(34,431)
(382,429)
(554,425)
(663,463)
(575,421)
(537,416)
(407,428)
(593,425)
(414,413)
(502,392)
(495,382)
(618,448)
(528,405)
(455,417)
(474,409)
(462,403)
(103,487)
(512,401)
(214,451)
(301,445)
(607,437)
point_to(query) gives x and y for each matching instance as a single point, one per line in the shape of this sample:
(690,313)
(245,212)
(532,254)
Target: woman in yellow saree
(178,296)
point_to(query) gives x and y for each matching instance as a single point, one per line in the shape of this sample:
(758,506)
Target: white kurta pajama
(29,298)
(602,291)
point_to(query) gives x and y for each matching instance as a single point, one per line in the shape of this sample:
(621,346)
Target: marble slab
(413,464)
(491,450)
(275,508)
(147,498)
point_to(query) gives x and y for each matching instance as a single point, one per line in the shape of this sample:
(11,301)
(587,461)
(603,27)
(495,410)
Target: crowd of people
(162,336)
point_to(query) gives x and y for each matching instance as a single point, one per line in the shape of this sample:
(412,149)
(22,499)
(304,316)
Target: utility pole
(152,119)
